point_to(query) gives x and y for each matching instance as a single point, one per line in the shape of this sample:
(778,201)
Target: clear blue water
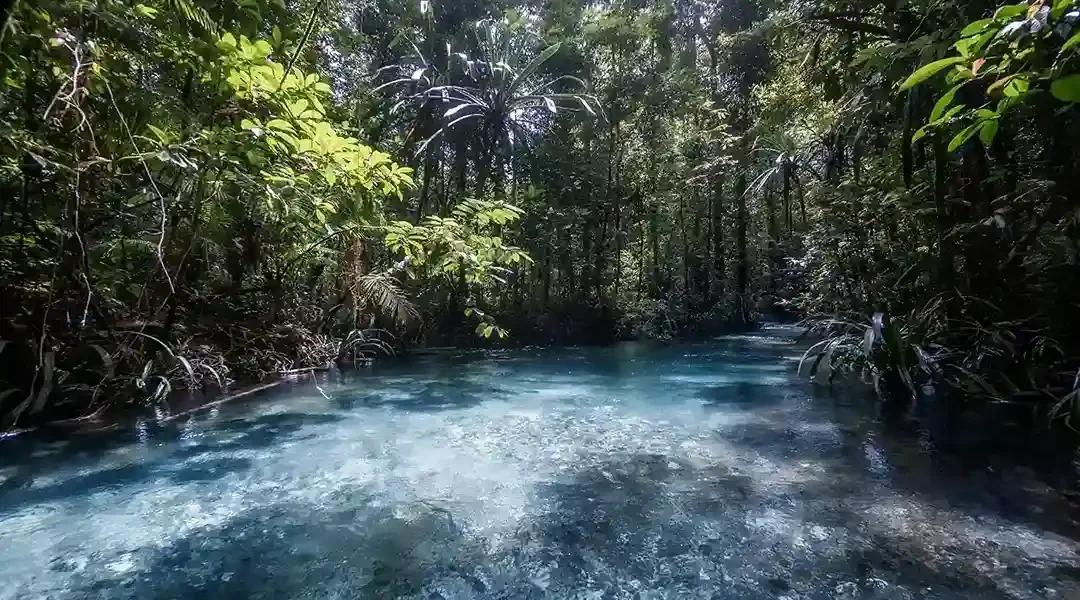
(691,471)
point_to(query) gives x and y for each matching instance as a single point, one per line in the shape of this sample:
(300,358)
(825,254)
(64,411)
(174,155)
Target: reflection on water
(691,471)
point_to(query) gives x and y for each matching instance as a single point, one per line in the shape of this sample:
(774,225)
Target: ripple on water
(700,471)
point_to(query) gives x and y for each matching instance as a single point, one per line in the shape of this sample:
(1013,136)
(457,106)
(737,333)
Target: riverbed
(695,470)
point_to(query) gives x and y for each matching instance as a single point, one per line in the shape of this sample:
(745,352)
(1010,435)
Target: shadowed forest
(211,192)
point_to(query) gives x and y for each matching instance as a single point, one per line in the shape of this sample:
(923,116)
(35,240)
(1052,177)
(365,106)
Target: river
(704,470)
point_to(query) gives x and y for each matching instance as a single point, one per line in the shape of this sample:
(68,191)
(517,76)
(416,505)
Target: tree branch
(849,21)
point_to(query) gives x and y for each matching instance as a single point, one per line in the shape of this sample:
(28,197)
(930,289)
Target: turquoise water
(692,471)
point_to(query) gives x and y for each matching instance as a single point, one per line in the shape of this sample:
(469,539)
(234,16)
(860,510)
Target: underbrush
(958,343)
(81,378)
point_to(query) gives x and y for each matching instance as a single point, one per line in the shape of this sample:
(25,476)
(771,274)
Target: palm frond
(533,65)
(194,13)
(382,291)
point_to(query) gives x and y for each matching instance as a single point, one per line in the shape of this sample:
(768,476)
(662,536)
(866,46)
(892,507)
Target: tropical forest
(210,192)
(405,222)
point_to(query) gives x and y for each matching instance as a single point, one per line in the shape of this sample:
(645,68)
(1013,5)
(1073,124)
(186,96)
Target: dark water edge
(180,401)
(694,470)
(975,436)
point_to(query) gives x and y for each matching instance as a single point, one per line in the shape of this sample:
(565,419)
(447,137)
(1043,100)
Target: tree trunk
(773,250)
(706,265)
(483,169)
(788,220)
(425,187)
(687,282)
(461,168)
(641,261)
(719,264)
(742,267)
(654,233)
(613,196)
(802,201)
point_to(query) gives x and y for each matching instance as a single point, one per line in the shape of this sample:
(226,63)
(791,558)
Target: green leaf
(944,102)
(920,134)
(248,125)
(988,132)
(1008,13)
(1074,40)
(963,46)
(533,65)
(964,135)
(975,27)
(227,42)
(952,112)
(290,140)
(982,40)
(927,71)
(1016,87)
(159,134)
(298,107)
(280,125)
(999,84)
(146,11)
(1067,89)
(1060,6)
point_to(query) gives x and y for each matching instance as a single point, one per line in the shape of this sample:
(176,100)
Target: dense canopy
(210,191)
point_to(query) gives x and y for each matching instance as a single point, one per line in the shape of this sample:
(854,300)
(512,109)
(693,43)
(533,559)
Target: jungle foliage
(200,192)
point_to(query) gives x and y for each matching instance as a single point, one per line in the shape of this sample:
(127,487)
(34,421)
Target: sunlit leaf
(965,134)
(927,71)
(298,107)
(227,42)
(1006,13)
(1060,7)
(944,102)
(975,27)
(988,131)
(1016,87)
(1066,89)
(280,125)
(1074,40)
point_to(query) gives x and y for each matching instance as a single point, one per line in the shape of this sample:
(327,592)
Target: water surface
(691,471)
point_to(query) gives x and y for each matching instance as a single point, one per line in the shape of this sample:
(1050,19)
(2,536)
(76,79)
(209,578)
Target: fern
(194,13)
(382,291)
(133,246)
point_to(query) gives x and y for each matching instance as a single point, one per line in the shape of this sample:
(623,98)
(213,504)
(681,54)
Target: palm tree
(486,103)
